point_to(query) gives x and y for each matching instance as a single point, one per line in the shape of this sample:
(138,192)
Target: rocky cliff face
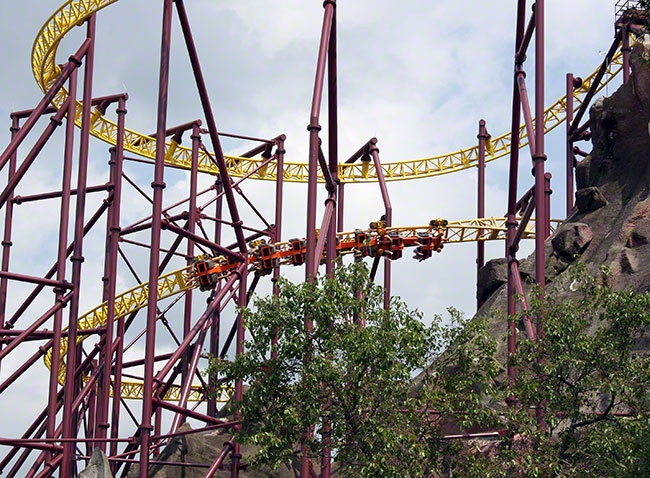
(203,448)
(610,224)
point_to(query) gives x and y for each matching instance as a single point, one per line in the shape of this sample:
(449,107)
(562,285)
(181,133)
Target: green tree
(590,372)
(582,401)
(359,379)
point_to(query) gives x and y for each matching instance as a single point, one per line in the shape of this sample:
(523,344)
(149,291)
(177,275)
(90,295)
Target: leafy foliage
(591,375)
(358,379)
(585,377)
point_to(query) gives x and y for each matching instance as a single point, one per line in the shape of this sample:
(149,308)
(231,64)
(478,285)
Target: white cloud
(416,74)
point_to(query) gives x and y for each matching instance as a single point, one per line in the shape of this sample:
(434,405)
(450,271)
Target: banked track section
(74,12)
(46,70)
(179,281)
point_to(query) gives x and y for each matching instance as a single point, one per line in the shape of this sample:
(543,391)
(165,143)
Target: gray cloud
(417,74)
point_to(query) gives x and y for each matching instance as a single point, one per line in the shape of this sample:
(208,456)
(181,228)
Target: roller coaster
(89,386)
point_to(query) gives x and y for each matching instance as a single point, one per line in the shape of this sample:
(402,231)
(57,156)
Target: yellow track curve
(46,70)
(74,12)
(176,282)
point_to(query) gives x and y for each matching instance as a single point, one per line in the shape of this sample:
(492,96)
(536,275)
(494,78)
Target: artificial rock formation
(610,225)
(98,466)
(490,277)
(203,448)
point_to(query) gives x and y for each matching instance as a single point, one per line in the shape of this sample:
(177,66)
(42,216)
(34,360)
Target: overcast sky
(416,74)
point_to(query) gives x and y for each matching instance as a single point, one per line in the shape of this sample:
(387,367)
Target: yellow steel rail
(45,70)
(179,281)
(74,12)
(130,301)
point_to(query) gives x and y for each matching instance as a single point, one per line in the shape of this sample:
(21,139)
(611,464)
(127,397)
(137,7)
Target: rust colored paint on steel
(73,63)
(64,220)
(158,185)
(570,157)
(480,209)
(191,227)
(374,153)
(6,238)
(113,237)
(511,222)
(71,384)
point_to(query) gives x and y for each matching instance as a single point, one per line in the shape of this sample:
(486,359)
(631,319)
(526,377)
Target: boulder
(571,240)
(490,277)
(98,466)
(636,239)
(624,260)
(590,199)
(203,448)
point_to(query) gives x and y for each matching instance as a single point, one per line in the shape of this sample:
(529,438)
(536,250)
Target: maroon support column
(332,94)
(64,218)
(312,182)
(541,210)
(277,232)
(6,239)
(116,161)
(540,157)
(570,158)
(156,221)
(333,166)
(193,216)
(239,390)
(116,230)
(314,141)
(625,37)
(374,152)
(511,220)
(216,319)
(547,198)
(340,224)
(71,383)
(480,212)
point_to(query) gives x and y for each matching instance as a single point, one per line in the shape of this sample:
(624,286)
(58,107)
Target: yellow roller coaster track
(74,12)
(177,282)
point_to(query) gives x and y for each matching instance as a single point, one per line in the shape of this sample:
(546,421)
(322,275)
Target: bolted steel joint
(76,61)
(158,185)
